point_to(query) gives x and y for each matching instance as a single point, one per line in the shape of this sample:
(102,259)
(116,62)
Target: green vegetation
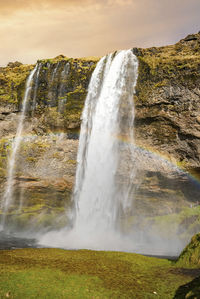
(62,57)
(169,65)
(55,273)
(190,257)
(184,223)
(12,83)
(66,91)
(40,214)
(4,148)
(72,162)
(33,150)
(43,205)
(190,290)
(61,101)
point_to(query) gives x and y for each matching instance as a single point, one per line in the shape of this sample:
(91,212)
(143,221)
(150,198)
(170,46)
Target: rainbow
(172,163)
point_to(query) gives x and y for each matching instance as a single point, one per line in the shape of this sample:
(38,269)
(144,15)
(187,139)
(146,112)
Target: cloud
(9,7)
(31,30)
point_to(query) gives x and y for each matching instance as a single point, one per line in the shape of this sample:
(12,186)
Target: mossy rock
(12,83)
(190,290)
(190,256)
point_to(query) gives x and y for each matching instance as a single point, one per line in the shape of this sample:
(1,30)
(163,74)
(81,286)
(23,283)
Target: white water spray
(8,194)
(98,197)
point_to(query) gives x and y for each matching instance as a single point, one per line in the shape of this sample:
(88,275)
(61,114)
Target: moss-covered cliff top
(187,48)
(12,83)
(13,78)
(159,62)
(174,62)
(62,57)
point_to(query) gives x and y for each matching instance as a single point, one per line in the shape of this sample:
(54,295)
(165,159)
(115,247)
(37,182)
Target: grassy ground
(56,273)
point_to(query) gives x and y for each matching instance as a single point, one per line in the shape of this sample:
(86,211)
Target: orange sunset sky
(35,29)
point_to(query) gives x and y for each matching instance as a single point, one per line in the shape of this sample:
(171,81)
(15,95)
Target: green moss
(61,101)
(31,159)
(4,151)
(57,155)
(29,273)
(12,83)
(183,223)
(164,66)
(39,215)
(190,256)
(53,60)
(71,162)
(32,150)
(190,290)
(52,118)
(160,84)
(74,106)
(182,164)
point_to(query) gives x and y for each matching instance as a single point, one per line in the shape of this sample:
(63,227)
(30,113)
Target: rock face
(46,162)
(167,105)
(167,124)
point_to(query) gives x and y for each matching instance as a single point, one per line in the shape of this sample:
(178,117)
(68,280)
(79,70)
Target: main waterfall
(99,198)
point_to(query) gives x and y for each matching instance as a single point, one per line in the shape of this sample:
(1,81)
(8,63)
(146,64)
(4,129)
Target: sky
(37,29)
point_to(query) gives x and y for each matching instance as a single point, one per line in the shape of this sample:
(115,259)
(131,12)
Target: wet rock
(167,101)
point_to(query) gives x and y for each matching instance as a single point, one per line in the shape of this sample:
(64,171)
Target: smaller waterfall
(56,95)
(38,68)
(62,100)
(55,71)
(8,194)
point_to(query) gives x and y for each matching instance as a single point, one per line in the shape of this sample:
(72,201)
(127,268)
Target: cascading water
(62,100)
(38,69)
(101,152)
(98,197)
(8,193)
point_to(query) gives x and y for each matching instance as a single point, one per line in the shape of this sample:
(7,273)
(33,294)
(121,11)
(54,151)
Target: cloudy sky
(35,29)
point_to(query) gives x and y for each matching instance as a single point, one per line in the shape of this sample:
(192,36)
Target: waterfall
(8,193)
(99,197)
(55,71)
(38,69)
(62,100)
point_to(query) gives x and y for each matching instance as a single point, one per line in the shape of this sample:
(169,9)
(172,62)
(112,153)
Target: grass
(190,256)
(56,273)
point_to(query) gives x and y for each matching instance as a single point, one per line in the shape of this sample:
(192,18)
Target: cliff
(45,164)
(167,102)
(166,123)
